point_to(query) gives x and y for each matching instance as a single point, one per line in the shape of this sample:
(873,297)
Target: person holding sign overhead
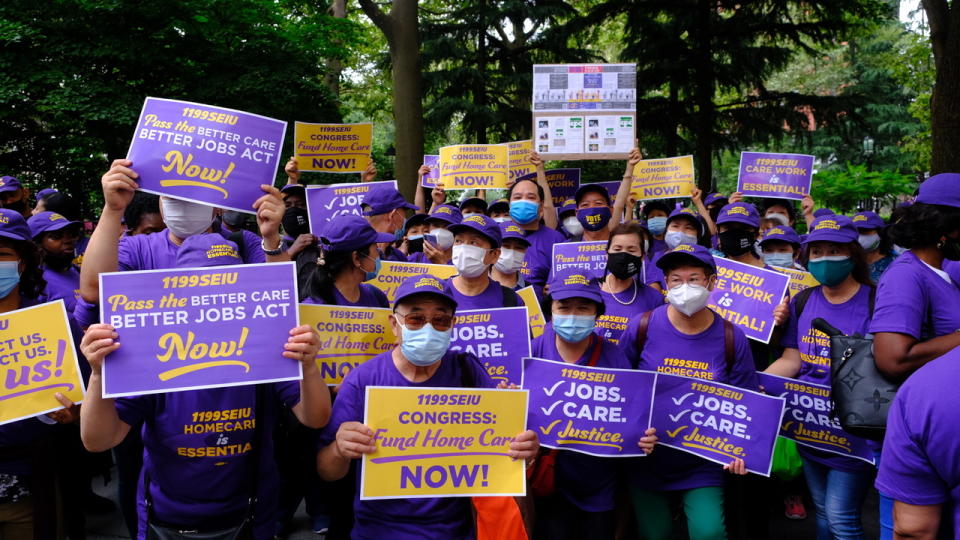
(423,316)
(528,210)
(685,338)
(476,246)
(214,473)
(595,213)
(583,505)
(838,484)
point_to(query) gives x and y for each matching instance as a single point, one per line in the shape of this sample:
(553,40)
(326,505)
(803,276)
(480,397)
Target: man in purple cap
(506,271)
(385,209)
(438,240)
(294,196)
(14,196)
(781,247)
(56,236)
(499,210)
(42,196)
(423,317)
(476,246)
(472,206)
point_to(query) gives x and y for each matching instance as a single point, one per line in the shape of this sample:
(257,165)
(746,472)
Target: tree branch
(379,18)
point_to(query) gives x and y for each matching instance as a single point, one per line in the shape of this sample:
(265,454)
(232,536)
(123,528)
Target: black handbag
(860,394)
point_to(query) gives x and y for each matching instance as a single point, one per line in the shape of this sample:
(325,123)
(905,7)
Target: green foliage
(853,186)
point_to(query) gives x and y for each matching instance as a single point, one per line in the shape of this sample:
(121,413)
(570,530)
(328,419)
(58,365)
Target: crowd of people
(896,279)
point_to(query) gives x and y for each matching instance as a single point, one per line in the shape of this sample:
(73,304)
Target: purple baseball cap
(509,229)
(942,189)
(714,197)
(480,224)
(294,189)
(591,188)
(687,212)
(47,222)
(568,205)
(696,254)
(499,205)
(740,212)
(13,226)
(349,232)
(208,249)
(384,199)
(868,220)
(474,200)
(46,192)
(782,233)
(835,228)
(447,213)
(424,284)
(9,183)
(820,212)
(574,283)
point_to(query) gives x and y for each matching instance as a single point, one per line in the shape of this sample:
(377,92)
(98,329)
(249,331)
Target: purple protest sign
(716,421)
(205,154)
(747,295)
(199,328)
(596,411)
(591,257)
(563,183)
(781,176)
(491,335)
(807,418)
(433,177)
(327,202)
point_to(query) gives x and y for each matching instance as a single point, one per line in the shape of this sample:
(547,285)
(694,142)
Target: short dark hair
(923,224)
(517,183)
(143,203)
(791,210)
(63,205)
(546,306)
(625,229)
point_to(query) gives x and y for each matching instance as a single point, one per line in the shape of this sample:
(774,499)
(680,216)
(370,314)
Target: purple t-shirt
(912,299)
(491,297)
(251,242)
(919,464)
(852,316)
(952,268)
(155,251)
(620,309)
(652,273)
(370,296)
(537,260)
(63,284)
(196,449)
(400,519)
(667,350)
(393,254)
(588,482)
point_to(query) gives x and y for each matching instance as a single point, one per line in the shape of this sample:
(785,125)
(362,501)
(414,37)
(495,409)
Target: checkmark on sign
(679,400)
(673,434)
(548,410)
(330,204)
(552,389)
(679,415)
(549,428)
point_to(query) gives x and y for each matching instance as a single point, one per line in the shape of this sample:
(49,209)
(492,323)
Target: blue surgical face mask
(675,238)
(524,212)
(783,260)
(656,225)
(424,347)
(574,328)
(9,277)
(376,269)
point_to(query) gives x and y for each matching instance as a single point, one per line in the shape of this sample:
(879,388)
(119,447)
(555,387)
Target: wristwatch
(271,252)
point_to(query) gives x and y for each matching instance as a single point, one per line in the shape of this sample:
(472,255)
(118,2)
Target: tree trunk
(945,102)
(402,30)
(480,98)
(338,10)
(704,83)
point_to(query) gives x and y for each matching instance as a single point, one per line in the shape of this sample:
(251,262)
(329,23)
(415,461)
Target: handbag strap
(597,350)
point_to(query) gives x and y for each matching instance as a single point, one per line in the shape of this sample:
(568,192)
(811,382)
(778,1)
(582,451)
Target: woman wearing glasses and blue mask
(583,505)
(423,321)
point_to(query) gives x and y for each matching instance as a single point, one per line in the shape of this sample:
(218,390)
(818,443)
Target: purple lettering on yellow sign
(492,336)
(715,421)
(781,176)
(327,202)
(596,411)
(747,296)
(205,154)
(590,257)
(808,421)
(199,328)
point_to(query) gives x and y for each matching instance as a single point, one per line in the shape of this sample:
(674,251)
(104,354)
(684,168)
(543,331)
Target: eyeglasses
(415,321)
(673,281)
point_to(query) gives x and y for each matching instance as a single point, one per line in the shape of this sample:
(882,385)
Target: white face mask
(675,238)
(444,238)
(869,242)
(779,218)
(573,226)
(468,260)
(688,298)
(510,261)
(468,214)
(184,218)
(502,219)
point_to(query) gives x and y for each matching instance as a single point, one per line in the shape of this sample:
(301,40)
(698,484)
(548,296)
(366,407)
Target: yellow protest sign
(349,336)
(534,312)
(393,273)
(518,154)
(443,442)
(477,166)
(332,148)
(666,178)
(37,360)
(799,280)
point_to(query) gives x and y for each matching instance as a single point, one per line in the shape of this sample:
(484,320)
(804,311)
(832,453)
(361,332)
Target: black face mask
(295,222)
(415,246)
(624,265)
(950,249)
(58,261)
(16,206)
(736,242)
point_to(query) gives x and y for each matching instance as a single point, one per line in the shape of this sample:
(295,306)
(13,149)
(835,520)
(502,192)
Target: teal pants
(702,506)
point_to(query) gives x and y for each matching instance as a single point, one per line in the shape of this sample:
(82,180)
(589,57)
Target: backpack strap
(729,344)
(872,301)
(597,350)
(802,297)
(237,238)
(641,337)
(509,297)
